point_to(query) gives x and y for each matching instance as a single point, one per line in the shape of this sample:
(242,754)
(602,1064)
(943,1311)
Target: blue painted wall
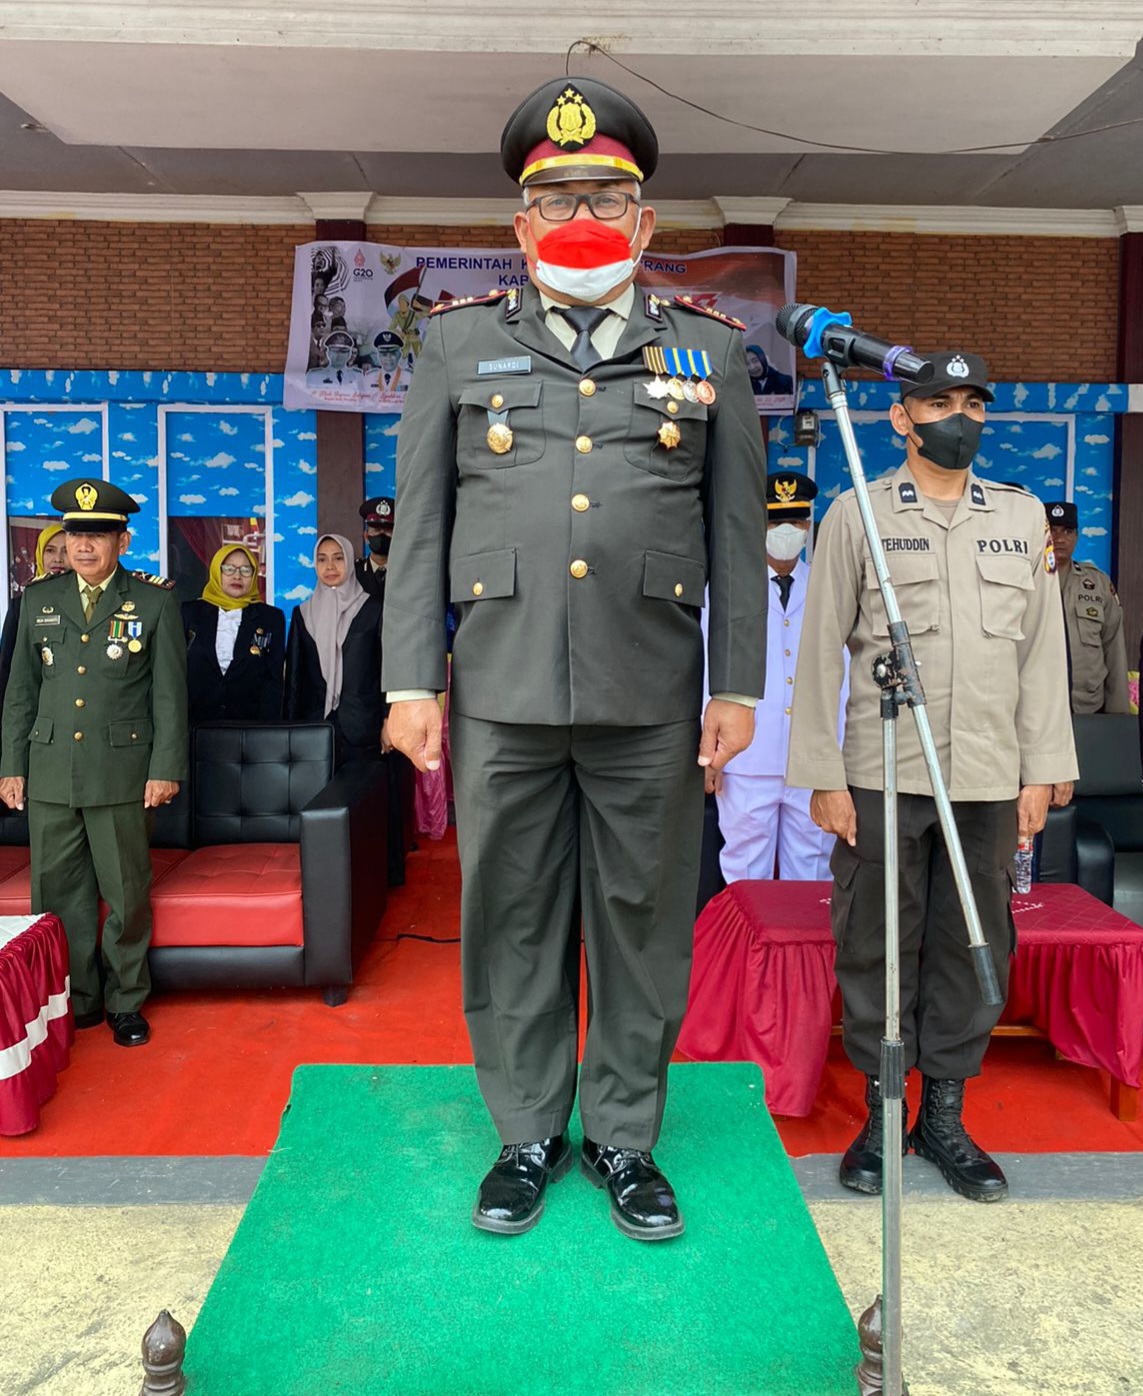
(217,464)
(1015,446)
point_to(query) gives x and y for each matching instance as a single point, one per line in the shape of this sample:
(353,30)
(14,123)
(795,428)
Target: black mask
(951,442)
(379,544)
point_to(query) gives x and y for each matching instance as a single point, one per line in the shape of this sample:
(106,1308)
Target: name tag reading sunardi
(497,366)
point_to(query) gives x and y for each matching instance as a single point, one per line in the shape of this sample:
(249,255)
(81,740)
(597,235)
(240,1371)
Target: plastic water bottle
(1023,865)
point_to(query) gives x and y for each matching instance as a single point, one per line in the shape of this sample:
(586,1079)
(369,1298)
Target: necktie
(784,585)
(585,320)
(92,594)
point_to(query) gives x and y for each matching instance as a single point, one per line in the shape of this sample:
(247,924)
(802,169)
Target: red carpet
(217,1073)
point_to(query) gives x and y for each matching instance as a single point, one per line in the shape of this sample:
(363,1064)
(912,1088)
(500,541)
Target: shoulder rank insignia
(689,303)
(152,579)
(907,492)
(442,306)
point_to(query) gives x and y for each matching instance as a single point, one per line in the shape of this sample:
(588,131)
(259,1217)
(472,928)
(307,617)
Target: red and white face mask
(584,260)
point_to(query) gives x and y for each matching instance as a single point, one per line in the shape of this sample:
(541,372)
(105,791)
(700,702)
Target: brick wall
(199,297)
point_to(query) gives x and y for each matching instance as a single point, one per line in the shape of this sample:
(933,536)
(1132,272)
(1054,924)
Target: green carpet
(356,1267)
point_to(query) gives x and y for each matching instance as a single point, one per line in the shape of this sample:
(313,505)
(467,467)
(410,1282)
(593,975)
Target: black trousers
(944,1023)
(550,819)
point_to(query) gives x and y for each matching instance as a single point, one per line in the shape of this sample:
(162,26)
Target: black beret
(578,128)
(1062,513)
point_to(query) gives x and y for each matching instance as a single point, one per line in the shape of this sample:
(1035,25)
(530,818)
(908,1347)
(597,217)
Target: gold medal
(675,388)
(134,646)
(499,438)
(114,651)
(705,393)
(669,435)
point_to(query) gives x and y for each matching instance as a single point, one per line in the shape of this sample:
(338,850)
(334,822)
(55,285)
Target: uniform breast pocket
(1005,590)
(667,437)
(916,581)
(51,651)
(1089,622)
(512,435)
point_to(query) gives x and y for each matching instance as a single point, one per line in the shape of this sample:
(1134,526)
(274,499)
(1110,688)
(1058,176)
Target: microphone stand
(897,677)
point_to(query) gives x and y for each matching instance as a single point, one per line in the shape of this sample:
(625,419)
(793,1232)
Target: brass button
(79,736)
(580,502)
(678,588)
(497,400)
(134,736)
(787,654)
(785,622)
(79,702)
(578,568)
(85,638)
(586,387)
(478,588)
(583,445)
(789,680)
(82,669)
(672,407)
(788,711)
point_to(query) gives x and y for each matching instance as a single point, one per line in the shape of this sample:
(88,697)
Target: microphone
(822,333)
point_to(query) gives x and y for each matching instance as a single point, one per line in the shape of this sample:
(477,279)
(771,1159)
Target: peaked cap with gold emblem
(789,495)
(92,506)
(578,128)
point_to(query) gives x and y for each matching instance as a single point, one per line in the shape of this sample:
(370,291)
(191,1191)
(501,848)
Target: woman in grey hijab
(333,656)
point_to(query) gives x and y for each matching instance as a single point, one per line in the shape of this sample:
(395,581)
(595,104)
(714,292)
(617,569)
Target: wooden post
(164,1347)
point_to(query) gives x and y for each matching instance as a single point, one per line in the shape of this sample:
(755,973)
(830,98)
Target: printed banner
(359,309)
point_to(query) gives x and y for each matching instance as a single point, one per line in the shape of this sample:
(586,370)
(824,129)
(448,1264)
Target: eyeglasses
(237,571)
(607,204)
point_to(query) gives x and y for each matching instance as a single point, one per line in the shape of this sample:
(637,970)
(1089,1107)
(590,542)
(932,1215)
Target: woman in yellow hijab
(51,560)
(236,644)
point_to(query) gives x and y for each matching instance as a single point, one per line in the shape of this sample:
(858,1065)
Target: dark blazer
(361,710)
(578,558)
(251,688)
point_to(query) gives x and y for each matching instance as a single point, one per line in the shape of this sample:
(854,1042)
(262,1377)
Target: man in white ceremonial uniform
(761,817)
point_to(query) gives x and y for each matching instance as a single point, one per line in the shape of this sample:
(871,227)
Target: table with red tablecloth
(36,1024)
(763,986)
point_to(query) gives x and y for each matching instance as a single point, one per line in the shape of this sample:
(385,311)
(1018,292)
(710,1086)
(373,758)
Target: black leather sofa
(1109,801)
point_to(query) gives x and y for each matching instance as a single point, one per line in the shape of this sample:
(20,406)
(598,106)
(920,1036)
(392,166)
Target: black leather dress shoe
(643,1203)
(511,1197)
(89,1020)
(129,1029)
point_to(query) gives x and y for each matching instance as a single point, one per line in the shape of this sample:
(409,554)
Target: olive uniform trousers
(546,816)
(945,1024)
(78,856)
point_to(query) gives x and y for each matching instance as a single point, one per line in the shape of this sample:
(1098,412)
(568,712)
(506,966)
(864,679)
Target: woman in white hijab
(333,656)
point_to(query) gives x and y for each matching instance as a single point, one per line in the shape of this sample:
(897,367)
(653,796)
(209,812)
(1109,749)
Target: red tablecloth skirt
(36,1025)
(763,987)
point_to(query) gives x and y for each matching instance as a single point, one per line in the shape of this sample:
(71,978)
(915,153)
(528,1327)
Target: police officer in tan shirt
(1093,618)
(973,569)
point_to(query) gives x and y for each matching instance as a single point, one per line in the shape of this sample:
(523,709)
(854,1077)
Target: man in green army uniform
(94,736)
(578,463)
(1093,621)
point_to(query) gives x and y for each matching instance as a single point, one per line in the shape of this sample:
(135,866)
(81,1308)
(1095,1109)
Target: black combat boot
(861,1166)
(940,1136)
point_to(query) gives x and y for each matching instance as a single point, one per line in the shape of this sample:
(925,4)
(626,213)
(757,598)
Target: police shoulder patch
(689,303)
(489,299)
(153,579)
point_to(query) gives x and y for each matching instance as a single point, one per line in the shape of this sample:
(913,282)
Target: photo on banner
(359,309)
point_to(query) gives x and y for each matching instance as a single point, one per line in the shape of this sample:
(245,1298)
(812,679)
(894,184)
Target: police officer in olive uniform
(973,571)
(95,734)
(1093,617)
(577,460)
